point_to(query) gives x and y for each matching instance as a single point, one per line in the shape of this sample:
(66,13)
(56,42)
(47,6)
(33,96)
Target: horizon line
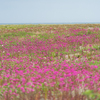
(56,23)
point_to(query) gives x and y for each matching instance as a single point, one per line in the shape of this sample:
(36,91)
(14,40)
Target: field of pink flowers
(50,62)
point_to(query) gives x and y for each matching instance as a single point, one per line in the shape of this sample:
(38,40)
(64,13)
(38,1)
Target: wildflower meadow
(50,62)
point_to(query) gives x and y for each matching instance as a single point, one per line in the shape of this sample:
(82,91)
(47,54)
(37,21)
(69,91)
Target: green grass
(16,26)
(19,34)
(97,47)
(95,63)
(46,36)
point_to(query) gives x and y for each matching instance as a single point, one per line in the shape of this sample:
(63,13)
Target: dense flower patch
(34,67)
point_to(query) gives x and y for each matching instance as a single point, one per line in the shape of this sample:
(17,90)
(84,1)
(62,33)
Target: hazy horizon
(49,23)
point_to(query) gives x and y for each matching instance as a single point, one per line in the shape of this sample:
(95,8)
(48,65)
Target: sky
(49,11)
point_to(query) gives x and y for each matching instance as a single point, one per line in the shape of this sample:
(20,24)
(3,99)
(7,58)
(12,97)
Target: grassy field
(50,62)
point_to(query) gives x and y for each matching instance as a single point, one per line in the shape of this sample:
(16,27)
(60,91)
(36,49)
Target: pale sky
(49,11)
